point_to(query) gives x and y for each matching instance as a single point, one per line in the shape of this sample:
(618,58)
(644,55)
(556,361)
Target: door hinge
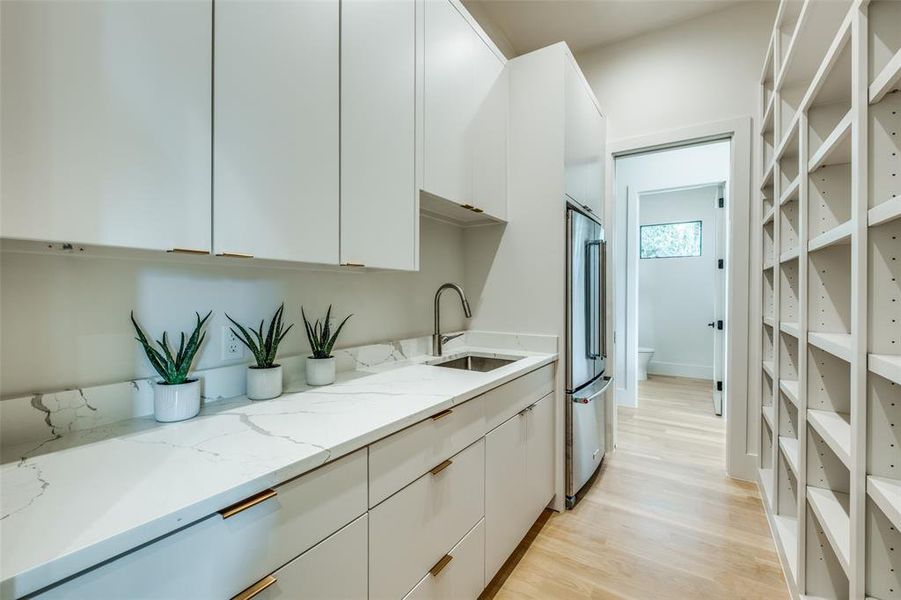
(719,263)
(719,386)
(721,202)
(719,325)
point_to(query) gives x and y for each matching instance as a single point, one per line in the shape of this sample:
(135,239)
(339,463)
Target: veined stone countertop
(75,501)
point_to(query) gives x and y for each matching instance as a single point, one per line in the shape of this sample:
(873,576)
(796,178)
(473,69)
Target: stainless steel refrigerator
(586,352)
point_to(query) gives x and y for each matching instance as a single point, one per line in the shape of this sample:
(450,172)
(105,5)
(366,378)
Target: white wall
(702,70)
(65,318)
(676,295)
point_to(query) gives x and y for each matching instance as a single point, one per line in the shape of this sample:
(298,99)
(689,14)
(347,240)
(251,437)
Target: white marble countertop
(74,502)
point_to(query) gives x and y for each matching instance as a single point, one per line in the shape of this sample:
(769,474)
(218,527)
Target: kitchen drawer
(410,531)
(218,557)
(503,402)
(333,569)
(401,458)
(462,575)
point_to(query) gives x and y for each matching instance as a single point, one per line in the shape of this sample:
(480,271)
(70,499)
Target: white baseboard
(680,370)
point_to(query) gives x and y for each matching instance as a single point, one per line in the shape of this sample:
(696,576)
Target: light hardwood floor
(662,519)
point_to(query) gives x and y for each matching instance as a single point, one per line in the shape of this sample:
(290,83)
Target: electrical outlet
(232,348)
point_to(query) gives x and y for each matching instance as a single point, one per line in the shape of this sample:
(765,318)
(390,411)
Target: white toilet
(644,357)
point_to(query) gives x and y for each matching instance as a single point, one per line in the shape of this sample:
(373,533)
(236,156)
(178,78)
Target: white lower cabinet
(519,479)
(334,569)
(410,532)
(221,555)
(458,576)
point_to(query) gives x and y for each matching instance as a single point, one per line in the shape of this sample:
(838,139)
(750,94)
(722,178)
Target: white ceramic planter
(320,371)
(264,384)
(176,402)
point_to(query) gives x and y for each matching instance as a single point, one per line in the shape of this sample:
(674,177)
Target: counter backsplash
(45,416)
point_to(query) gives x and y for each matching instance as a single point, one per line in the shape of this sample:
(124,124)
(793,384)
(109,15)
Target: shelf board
(787,531)
(767,266)
(791,328)
(807,45)
(835,429)
(836,53)
(768,174)
(769,414)
(885,212)
(765,476)
(836,344)
(769,321)
(789,255)
(886,493)
(791,192)
(788,147)
(767,121)
(831,510)
(886,365)
(768,216)
(836,148)
(789,448)
(886,79)
(768,367)
(836,236)
(790,389)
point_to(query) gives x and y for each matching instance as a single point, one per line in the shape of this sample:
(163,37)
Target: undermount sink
(472,362)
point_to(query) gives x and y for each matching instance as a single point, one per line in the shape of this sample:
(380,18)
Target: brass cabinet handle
(187,251)
(441,467)
(477,210)
(243,505)
(235,255)
(439,566)
(467,206)
(256,588)
(352,264)
(442,414)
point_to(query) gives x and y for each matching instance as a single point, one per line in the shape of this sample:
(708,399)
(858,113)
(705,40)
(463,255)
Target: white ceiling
(583,24)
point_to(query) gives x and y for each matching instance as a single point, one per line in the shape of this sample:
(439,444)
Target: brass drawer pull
(441,467)
(352,264)
(235,255)
(468,206)
(439,566)
(477,210)
(256,588)
(187,251)
(442,414)
(247,503)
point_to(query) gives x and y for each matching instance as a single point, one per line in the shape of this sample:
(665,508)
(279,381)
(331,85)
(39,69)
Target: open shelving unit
(829,213)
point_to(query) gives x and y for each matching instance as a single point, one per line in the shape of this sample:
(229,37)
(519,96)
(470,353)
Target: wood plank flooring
(661,521)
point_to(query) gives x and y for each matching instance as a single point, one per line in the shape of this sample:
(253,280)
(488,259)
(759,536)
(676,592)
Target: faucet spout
(437,339)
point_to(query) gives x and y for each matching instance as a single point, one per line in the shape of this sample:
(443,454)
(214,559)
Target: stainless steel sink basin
(471,362)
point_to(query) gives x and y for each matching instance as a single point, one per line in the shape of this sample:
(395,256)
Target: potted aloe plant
(176,397)
(264,379)
(320,366)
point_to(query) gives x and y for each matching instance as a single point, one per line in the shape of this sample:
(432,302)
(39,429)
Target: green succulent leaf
(263,348)
(320,335)
(172,369)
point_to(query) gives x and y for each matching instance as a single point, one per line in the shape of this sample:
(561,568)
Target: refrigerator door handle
(590,315)
(588,399)
(602,292)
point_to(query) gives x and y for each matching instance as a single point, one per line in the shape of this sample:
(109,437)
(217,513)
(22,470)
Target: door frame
(740,405)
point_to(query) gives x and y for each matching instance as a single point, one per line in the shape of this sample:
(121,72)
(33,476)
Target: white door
(585,131)
(540,454)
(719,334)
(506,510)
(379,213)
(489,131)
(106,123)
(275,172)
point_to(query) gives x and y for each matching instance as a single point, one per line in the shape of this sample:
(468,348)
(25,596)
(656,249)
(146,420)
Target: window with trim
(671,240)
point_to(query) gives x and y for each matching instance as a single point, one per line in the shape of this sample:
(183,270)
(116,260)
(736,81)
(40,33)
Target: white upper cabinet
(379,209)
(275,170)
(585,139)
(106,122)
(465,113)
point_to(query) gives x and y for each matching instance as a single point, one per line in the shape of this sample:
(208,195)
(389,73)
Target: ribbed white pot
(320,371)
(264,384)
(176,402)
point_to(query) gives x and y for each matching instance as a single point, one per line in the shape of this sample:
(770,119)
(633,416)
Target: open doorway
(713,159)
(681,256)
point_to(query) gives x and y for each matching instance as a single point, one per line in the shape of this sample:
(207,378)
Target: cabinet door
(336,568)
(540,455)
(106,122)
(379,212)
(584,146)
(448,104)
(506,514)
(489,132)
(275,169)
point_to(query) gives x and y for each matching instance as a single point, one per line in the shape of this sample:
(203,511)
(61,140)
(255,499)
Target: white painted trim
(740,461)
(680,370)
